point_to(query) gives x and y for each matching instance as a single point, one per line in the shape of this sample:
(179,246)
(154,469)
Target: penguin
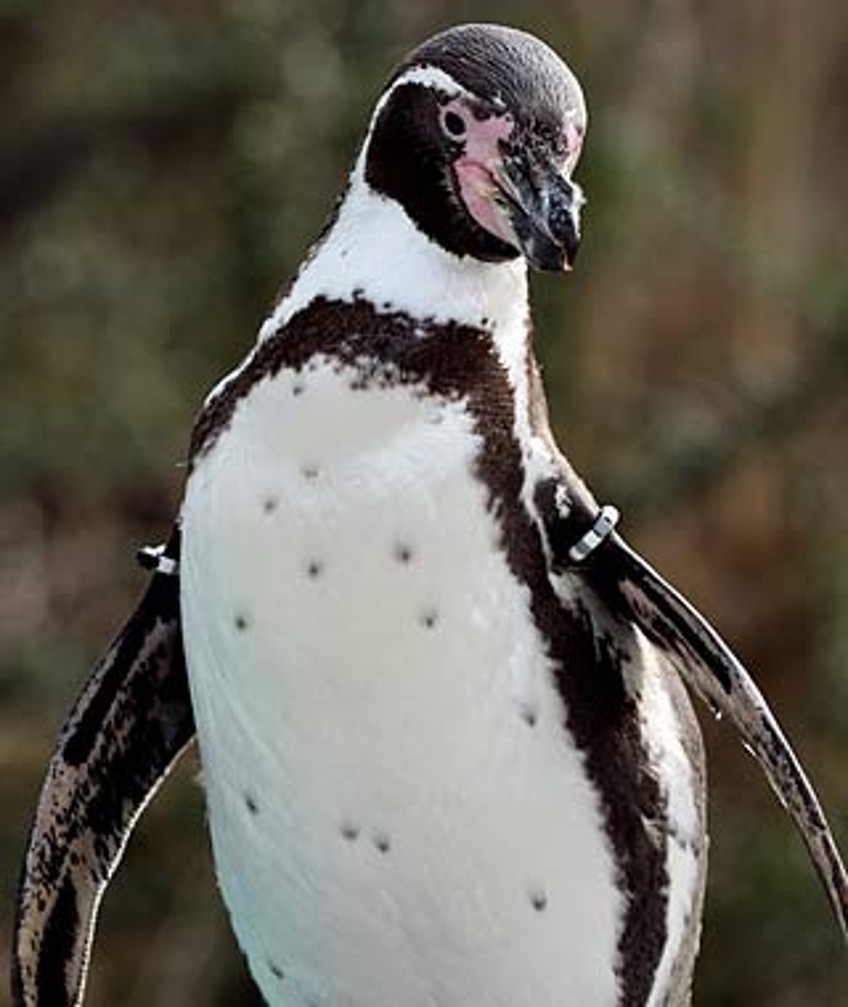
(442,706)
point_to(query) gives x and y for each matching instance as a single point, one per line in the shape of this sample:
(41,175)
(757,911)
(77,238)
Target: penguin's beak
(542,206)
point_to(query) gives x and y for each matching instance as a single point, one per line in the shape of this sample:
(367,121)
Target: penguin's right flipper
(126,731)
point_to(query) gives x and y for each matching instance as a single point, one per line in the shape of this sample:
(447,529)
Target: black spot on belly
(349,831)
(250,804)
(429,618)
(241,622)
(403,552)
(538,899)
(460,367)
(382,842)
(314,569)
(270,504)
(529,715)
(276,971)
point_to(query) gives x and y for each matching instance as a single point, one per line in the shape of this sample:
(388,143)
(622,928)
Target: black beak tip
(570,250)
(549,256)
(546,221)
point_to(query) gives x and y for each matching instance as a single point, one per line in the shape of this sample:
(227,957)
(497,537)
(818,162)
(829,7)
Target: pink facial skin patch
(573,135)
(475,168)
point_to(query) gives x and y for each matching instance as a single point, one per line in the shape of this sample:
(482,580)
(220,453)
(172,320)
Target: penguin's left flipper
(710,669)
(126,731)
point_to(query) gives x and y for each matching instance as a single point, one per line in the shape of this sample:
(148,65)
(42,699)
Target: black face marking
(409,160)
(419,133)
(455,362)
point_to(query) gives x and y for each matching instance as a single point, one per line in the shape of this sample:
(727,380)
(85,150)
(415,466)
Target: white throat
(374,250)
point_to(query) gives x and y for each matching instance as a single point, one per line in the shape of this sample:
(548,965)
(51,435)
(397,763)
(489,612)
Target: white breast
(398,816)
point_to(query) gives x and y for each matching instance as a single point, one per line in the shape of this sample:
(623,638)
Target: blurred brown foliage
(164,165)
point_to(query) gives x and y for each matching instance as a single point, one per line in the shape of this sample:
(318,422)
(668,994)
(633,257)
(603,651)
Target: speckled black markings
(241,622)
(130,724)
(276,971)
(459,363)
(250,804)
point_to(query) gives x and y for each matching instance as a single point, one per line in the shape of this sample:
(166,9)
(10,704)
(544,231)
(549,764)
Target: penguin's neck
(373,250)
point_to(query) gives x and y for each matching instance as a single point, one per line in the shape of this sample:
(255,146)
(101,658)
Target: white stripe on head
(425,76)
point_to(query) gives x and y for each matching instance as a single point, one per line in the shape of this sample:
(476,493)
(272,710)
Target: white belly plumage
(398,817)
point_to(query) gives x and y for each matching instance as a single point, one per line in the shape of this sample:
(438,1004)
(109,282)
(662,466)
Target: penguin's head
(476,136)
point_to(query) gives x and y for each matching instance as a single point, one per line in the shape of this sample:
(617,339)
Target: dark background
(164,165)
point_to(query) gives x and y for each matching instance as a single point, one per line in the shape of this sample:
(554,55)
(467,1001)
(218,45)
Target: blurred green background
(163,166)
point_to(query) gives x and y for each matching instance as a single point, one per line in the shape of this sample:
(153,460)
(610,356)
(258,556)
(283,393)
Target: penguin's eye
(453,124)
